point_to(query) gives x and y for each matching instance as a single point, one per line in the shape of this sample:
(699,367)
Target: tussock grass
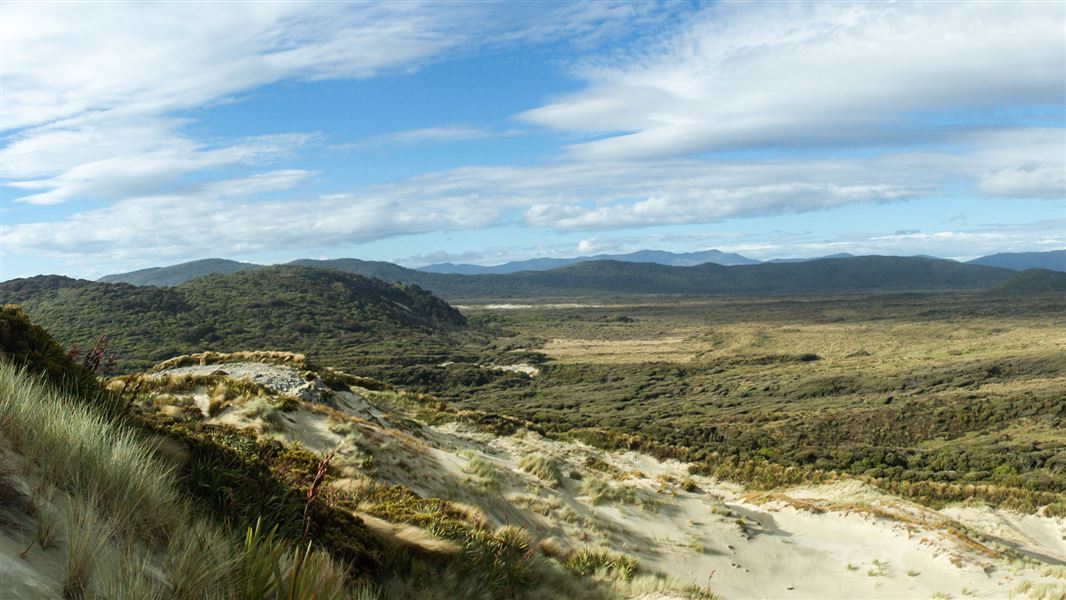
(600,491)
(218,358)
(128,531)
(88,536)
(587,561)
(86,455)
(200,561)
(541,466)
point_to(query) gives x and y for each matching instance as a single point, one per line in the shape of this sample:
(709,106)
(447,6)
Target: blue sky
(139,134)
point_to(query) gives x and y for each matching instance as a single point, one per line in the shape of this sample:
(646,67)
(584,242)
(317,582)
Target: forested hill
(290,308)
(854,273)
(826,276)
(858,274)
(177,274)
(1054,260)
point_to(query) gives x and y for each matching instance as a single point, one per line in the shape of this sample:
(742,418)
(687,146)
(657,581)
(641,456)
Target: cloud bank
(735,110)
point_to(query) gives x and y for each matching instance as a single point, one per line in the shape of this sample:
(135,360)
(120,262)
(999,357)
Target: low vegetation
(119,496)
(940,398)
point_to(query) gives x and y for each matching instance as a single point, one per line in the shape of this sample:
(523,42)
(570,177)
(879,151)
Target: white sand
(845,540)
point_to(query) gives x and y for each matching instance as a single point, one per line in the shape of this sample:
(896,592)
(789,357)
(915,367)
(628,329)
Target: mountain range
(377,317)
(859,274)
(1054,260)
(176,274)
(660,257)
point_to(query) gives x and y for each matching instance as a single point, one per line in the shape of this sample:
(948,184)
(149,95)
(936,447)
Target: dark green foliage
(984,420)
(1054,260)
(27,345)
(241,478)
(177,274)
(827,276)
(355,321)
(1033,281)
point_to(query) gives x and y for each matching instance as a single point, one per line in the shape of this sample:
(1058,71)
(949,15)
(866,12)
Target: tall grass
(82,453)
(129,533)
(541,466)
(88,536)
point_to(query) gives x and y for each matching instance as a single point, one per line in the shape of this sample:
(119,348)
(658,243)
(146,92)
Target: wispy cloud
(433,135)
(572,196)
(91,89)
(795,75)
(833,104)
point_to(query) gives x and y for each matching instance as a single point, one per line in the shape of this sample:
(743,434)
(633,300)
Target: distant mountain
(1033,281)
(661,257)
(271,308)
(177,274)
(827,276)
(367,268)
(798,260)
(1054,260)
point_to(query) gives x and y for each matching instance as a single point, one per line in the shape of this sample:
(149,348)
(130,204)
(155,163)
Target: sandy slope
(844,540)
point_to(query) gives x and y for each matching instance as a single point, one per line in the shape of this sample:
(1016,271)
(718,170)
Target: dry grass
(128,532)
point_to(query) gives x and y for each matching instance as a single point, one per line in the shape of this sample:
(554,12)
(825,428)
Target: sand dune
(843,540)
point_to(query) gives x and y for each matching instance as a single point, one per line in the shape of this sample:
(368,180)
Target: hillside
(1054,260)
(796,260)
(133,492)
(316,311)
(440,480)
(827,276)
(1033,281)
(102,501)
(661,257)
(834,274)
(176,274)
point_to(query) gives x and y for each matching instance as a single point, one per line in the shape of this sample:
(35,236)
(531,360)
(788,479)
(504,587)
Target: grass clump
(588,561)
(129,531)
(601,491)
(541,466)
(88,536)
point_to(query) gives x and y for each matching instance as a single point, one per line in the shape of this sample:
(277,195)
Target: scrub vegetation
(941,397)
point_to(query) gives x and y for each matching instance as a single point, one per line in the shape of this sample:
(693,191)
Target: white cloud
(107,157)
(588,246)
(431,135)
(579,196)
(63,60)
(566,196)
(748,75)
(1023,163)
(91,88)
(92,93)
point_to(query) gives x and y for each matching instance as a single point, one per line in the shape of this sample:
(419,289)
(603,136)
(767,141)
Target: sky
(145,134)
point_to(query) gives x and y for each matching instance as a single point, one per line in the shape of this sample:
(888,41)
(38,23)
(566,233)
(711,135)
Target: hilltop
(316,311)
(1054,260)
(661,257)
(827,276)
(425,276)
(176,274)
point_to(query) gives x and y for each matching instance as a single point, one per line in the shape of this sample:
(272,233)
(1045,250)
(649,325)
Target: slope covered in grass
(99,514)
